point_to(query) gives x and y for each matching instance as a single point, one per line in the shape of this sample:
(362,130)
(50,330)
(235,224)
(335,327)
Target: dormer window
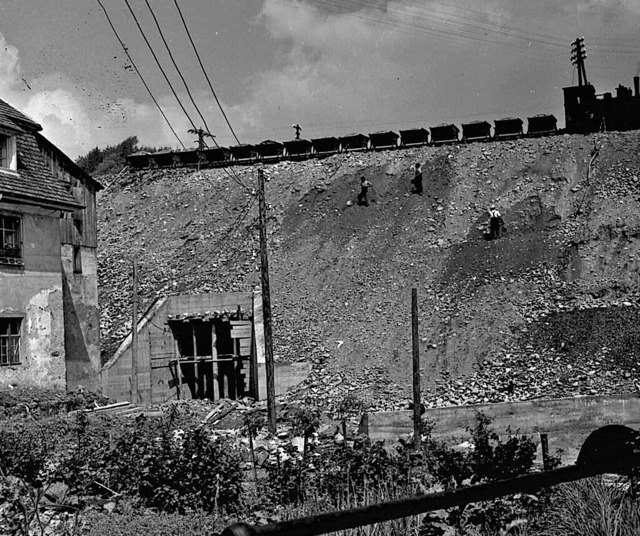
(8,154)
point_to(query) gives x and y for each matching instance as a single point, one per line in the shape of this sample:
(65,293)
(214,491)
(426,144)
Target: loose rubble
(493,314)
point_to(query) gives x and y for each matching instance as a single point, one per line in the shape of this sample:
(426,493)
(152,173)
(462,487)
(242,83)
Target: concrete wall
(567,421)
(156,347)
(34,292)
(81,319)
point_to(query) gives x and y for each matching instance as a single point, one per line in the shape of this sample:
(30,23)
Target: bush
(592,507)
(171,471)
(492,459)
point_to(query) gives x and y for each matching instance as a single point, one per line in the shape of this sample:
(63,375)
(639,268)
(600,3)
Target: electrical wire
(233,174)
(184,23)
(215,96)
(144,36)
(186,86)
(140,74)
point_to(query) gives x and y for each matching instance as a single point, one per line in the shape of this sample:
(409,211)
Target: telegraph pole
(266,307)
(134,338)
(578,55)
(417,403)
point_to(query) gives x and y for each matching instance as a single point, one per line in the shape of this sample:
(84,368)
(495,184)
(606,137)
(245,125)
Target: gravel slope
(549,309)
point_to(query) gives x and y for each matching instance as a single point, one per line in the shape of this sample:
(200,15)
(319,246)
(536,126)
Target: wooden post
(544,443)
(134,338)
(266,307)
(214,364)
(417,404)
(253,368)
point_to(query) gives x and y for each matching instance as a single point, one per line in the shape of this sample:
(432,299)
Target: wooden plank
(241,333)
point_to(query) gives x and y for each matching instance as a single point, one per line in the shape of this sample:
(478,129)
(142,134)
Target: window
(10,341)
(8,157)
(10,251)
(77,260)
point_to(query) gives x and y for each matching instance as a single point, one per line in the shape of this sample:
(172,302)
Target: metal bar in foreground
(367,515)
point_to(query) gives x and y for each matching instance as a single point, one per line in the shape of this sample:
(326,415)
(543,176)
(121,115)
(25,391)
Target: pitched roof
(34,182)
(9,114)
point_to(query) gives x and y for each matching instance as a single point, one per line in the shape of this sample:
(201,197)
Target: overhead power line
(186,86)
(155,57)
(231,174)
(140,74)
(184,23)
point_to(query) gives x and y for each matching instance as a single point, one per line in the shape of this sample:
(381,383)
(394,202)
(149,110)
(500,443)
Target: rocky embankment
(550,309)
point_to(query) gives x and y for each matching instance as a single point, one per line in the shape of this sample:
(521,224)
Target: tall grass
(592,507)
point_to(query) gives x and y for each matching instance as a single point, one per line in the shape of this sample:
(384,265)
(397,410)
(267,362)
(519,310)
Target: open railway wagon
(243,153)
(384,139)
(354,142)
(217,156)
(325,146)
(414,137)
(476,131)
(444,133)
(612,449)
(270,150)
(542,125)
(297,149)
(508,128)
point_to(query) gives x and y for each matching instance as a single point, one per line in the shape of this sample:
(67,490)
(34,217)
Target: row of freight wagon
(269,150)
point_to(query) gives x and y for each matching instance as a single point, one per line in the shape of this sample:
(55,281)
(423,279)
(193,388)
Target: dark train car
(297,148)
(161,159)
(587,112)
(354,142)
(217,156)
(138,160)
(187,158)
(384,139)
(444,133)
(270,150)
(507,128)
(476,131)
(243,153)
(414,137)
(325,146)
(541,125)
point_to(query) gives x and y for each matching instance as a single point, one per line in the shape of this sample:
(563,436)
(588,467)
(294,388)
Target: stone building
(49,319)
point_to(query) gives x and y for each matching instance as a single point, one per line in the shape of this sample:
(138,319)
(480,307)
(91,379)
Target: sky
(332,66)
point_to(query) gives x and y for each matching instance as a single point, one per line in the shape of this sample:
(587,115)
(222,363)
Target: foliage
(592,507)
(173,472)
(24,453)
(347,474)
(128,520)
(111,159)
(491,459)
(305,421)
(283,483)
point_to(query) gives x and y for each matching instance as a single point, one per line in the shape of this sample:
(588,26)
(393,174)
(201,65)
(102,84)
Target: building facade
(49,318)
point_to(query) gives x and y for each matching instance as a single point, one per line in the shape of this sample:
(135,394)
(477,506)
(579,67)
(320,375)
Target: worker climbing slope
(364,188)
(495,221)
(417,179)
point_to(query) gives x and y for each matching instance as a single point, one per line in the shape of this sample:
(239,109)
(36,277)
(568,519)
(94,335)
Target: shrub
(491,459)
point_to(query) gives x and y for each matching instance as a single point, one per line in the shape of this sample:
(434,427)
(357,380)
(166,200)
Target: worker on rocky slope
(495,220)
(417,179)
(364,188)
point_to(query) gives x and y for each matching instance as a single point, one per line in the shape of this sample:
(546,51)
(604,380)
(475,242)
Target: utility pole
(134,338)
(266,308)
(578,55)
(417,403)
